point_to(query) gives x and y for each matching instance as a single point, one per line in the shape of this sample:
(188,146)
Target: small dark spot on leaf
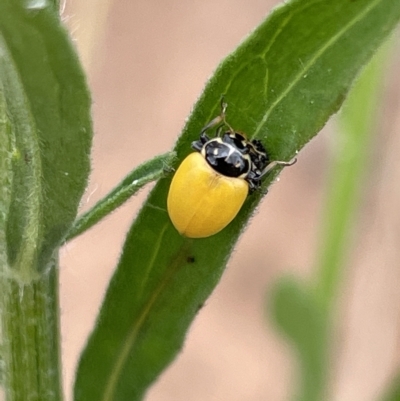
(190,259)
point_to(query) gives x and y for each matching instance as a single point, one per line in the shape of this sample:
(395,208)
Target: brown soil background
(147,63)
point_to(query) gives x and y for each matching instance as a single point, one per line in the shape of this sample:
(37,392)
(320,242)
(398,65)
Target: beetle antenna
(219,119)
(275,163)
(215,121)
(224,106)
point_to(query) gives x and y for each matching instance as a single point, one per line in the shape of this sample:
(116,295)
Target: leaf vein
(310,63)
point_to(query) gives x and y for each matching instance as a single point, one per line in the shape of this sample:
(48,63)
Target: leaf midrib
(112,381)
(307,66)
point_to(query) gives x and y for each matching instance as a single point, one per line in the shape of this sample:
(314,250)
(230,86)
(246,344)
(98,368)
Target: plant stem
(356,129)
(30,337)
(149,171)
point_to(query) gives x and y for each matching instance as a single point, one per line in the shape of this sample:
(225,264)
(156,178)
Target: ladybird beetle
(211,184)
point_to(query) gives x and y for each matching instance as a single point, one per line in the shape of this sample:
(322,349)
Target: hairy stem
(30,337)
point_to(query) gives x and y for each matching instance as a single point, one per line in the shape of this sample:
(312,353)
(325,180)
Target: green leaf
(281,84)
(5,175)
(48,106)
(305,314)
(393,391)
(5,195)
(356,129)
(302,320)
(149,171)
(45,137)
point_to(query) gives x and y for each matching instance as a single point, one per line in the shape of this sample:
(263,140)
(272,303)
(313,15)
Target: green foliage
(45,138)
(49,131)
(304,312)
(303,322)
(281,84)
(356,130)
(393,392)
(31,334)
(151,170)
(5,175)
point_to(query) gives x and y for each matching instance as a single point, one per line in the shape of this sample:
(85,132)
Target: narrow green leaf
(5,174)
(356,129)
(298,309)
(5,193)
(393,391)
(23,215)
(149,171)
(48,105)
(281,84)
(302,320)
(1,368)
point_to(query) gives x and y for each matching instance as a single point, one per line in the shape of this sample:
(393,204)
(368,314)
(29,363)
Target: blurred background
(147,62)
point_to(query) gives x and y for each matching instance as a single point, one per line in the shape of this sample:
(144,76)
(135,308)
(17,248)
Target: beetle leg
(247,150)
(204,138)
(253,180)
(254,185)
(197,145)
